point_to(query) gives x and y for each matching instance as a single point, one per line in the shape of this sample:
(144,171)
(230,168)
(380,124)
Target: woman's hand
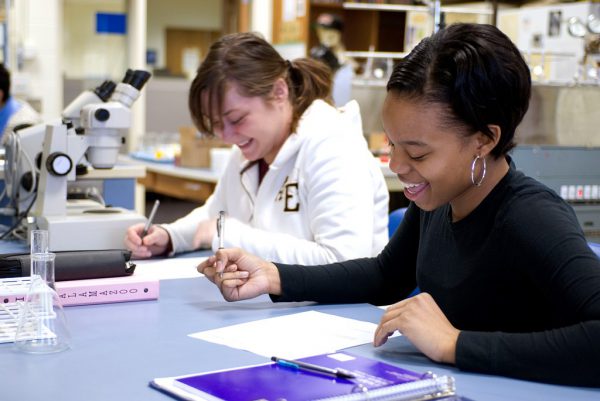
(421,321)
(155,242)
(240,275)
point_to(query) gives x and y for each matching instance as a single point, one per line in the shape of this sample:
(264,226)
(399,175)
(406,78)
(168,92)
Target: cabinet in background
(389,27)
(365,29)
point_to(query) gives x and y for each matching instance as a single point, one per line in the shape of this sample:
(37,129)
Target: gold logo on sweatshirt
(288,193)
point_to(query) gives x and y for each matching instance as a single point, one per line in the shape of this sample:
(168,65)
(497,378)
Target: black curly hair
(476,71)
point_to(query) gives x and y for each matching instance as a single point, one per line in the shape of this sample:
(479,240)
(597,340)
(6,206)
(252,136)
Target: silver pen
(221,229)
(150,218)
(221,233)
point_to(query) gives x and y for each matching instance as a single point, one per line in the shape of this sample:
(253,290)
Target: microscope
(42,159)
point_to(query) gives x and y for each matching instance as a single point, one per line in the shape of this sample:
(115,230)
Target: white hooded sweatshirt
(323,199)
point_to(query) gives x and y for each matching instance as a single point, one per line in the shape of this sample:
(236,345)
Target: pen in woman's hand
(221,229)
(221,233)
(150,218)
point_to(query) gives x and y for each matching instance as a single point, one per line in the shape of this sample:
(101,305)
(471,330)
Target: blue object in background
(111,23)
(595,247)
(395,218)
(151,57)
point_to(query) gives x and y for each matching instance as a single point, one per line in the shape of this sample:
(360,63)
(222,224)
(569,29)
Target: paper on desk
(293,336)
(168,268)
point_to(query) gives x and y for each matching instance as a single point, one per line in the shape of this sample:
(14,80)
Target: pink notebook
(107,290)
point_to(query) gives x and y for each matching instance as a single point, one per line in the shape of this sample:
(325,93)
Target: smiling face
(259,127)
(431,157)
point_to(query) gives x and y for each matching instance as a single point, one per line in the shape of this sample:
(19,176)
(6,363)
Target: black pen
(313,368)
(150,218)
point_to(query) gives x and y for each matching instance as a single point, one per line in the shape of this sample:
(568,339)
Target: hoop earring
(478,183)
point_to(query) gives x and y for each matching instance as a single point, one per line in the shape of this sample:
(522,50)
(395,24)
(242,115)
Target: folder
(373,380)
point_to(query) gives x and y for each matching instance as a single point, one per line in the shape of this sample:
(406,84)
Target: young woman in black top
(508,283)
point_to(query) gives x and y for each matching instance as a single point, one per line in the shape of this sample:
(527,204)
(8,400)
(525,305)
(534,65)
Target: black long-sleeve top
(516,276)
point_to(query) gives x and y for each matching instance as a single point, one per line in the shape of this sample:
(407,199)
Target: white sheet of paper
(168,268)
(293,336)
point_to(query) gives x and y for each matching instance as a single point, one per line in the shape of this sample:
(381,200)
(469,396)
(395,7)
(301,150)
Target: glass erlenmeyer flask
(42,326)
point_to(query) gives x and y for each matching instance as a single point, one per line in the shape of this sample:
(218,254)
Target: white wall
(36,35)
(93,56)
(192,14)
(261,18)
(88,54)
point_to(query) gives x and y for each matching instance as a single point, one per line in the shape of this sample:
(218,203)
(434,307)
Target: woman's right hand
(155,242)
(240,275)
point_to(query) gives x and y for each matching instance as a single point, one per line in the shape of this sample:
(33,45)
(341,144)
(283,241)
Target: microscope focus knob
(101,114)
(59,164)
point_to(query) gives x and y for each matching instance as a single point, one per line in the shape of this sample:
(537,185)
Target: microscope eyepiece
(139,79)
(105,90)
(128,76)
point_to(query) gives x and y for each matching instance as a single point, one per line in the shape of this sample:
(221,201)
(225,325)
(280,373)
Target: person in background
(325,55)
(301,185)
(329,29)
(331,51)
(13,112)
(509,285)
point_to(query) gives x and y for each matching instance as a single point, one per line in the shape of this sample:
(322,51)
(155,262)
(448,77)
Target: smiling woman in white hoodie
(301,185)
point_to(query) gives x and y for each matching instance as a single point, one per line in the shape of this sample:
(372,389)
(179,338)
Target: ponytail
(308,80)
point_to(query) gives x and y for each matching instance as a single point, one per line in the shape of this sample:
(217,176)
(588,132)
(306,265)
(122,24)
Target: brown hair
(254,65)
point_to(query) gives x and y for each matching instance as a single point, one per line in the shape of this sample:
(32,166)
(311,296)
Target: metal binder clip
(360,388)
(428,375)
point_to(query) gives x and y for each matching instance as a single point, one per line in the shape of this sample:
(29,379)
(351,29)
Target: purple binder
(274,382)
